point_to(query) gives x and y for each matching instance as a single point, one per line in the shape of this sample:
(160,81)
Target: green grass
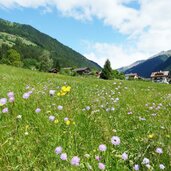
(93,127)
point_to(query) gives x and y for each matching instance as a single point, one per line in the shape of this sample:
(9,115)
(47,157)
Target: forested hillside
(36,50)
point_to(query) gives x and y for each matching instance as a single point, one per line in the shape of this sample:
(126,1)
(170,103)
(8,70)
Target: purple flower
(3,101)
(136,167)
(102,147)
(97,158)
(10,94)
(5,110)
(66,119)
(101,166)
(38,110)
(26,95)
(124,156)
(63,156)
(159,150)
(52,92)
(115,140)
(58,150)
(51,118)
(11,99)
(162,167)
(75,161)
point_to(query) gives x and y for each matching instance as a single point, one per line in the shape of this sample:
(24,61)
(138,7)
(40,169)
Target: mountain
(123,69)
(160,61)
(26,39)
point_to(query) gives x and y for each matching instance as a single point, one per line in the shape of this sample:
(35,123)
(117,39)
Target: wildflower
(5,110)
(102,147)
(26,95)
(26,133)
(146,161)
(159,150)
(68,122)
(10,94)
(66,119)
(60,107)
(87,108)
(19,117)
(58,150)
(136,167)
(124,156)
(52,92)
(56,121)
(129,113)
(63,156)
(150,136)
(51,118)
(97,158)
(3,101)
(112,109)
(162,167)
(38,110)
(11,99)
(101,166)
(115,140)
(142,119)
(75,161)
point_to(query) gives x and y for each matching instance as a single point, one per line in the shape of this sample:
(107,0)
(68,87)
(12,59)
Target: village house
(82,71)
(131,76)
(53,70)
(161,77)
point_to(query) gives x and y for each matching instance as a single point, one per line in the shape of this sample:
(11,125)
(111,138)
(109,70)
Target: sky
(122,31)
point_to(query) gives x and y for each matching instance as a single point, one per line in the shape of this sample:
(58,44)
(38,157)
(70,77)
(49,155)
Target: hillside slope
(58,52)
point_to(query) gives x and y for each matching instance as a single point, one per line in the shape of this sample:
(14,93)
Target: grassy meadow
(84,124)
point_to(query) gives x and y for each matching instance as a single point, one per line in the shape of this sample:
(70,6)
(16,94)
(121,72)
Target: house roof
(160,74)
(81,69)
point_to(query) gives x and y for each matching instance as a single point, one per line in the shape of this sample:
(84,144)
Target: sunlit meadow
(54,122)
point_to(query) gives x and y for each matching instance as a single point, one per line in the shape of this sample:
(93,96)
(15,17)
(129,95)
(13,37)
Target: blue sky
(113,29)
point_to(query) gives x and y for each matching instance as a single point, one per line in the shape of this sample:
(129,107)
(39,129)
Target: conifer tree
(106,71)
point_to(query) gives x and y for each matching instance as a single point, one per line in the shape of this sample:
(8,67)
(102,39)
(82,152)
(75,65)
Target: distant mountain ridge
(60,53)
(144,68)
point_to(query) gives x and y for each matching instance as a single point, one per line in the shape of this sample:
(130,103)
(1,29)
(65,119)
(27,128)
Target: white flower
(146,161)
(60,107)
(162,167)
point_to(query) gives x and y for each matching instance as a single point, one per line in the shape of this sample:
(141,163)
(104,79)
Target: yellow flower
(63,93)
(68,89)
(58,94)
(67,122)
(56,121)
(150,136)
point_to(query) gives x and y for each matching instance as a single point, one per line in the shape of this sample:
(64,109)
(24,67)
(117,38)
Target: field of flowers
(53,122)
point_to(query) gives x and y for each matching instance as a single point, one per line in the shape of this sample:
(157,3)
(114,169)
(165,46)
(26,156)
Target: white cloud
(118,55)
(147,27)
